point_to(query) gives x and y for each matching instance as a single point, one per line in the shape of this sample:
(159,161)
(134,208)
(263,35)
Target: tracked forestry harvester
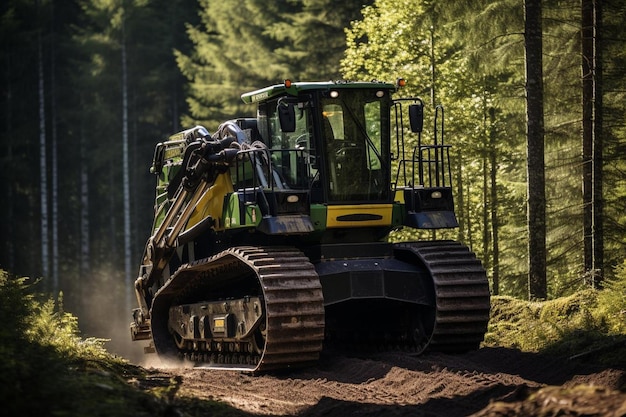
(270,236)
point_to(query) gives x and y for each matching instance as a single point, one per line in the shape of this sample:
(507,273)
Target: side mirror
(416,117)
(287,117)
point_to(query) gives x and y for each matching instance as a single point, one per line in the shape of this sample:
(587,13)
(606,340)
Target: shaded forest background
(90,86)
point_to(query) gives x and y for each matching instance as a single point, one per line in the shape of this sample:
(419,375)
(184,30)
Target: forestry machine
(271,235)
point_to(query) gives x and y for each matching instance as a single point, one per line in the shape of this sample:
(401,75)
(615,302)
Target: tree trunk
(598,150)
(495,259)
(433,68)
(537,284)
(55,165)
(10,200)
(587,130)
(43,169)
(84,206)
(485,192)
(126,178)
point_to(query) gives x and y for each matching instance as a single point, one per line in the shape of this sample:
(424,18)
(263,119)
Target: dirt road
(488,382)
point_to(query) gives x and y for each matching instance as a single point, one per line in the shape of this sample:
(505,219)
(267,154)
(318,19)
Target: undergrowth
(588,325)
(47,369)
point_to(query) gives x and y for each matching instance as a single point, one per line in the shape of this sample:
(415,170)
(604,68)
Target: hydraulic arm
(204,159)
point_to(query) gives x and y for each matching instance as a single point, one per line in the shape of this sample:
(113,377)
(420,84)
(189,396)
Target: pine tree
(24,71)
(232,54)
(245,46)
(312,37)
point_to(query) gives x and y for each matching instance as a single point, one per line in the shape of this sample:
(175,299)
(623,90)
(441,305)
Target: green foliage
(390,40)
(612,302)
(42,323)
(312,36)
(14,311)
(471,59)
(39,345)
(243,46)
(614,135)
(230,56)
(420,41)
(47,369)
(52,327)
(44,357)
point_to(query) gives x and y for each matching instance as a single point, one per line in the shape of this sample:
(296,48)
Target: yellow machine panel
(359,215)
(212,202)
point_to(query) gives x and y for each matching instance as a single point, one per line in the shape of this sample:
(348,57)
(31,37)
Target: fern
(612,302)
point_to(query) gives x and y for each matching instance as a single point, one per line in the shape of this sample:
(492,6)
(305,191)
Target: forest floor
(488,382)
(46,369)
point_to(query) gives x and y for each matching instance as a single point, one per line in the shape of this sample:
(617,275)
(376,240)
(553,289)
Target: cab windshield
(348,161)
(353,125)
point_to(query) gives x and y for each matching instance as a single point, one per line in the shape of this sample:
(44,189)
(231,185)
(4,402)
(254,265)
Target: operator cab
(333,141)
(328,147)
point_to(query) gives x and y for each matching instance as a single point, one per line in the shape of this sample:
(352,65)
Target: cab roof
(295,88)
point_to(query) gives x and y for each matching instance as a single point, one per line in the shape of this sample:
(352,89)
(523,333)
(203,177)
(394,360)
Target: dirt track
(430,385)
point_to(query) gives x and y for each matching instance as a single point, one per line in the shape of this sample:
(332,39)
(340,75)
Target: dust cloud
(103,312)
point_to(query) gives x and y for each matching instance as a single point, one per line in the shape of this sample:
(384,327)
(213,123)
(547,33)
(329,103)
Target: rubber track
(292,293)
(461,292)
